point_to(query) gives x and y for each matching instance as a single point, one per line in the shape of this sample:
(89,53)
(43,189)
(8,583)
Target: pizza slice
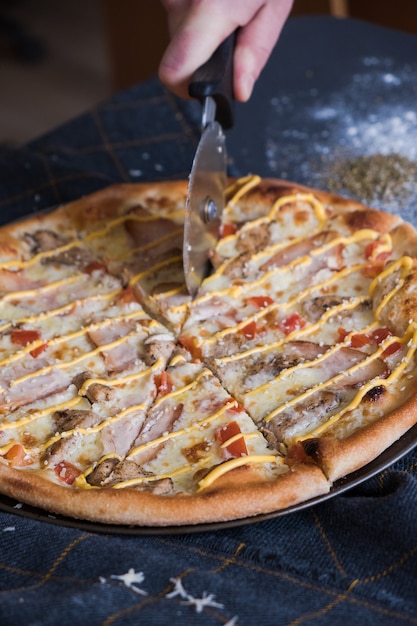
(138,235)
(191,454)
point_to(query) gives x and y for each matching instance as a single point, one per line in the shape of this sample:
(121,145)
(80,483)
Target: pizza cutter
(212,85)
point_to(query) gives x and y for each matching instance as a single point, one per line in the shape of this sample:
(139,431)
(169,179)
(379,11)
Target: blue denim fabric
(349,559)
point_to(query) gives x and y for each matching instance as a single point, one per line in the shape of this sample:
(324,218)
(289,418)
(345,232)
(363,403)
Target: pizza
(125,401)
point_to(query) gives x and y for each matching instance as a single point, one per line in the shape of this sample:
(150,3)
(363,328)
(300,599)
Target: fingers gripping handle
(215,79)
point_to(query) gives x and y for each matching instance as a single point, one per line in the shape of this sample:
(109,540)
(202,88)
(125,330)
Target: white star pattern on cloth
(130,579)
(198,603)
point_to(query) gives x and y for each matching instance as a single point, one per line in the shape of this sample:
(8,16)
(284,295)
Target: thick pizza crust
(241,494)
(340,457)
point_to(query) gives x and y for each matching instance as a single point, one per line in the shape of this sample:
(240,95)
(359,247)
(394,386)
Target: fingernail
(246,87)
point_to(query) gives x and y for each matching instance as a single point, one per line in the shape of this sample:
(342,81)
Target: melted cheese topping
(290,331)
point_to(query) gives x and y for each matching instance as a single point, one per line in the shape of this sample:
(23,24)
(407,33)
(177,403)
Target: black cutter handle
(215,79)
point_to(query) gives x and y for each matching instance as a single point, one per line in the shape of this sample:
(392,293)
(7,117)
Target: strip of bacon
(16,281)
(33,389)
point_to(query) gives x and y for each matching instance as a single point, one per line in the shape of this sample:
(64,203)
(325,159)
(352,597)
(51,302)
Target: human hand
(198,27)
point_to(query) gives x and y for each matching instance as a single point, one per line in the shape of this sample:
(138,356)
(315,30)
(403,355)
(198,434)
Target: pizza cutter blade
(212,85)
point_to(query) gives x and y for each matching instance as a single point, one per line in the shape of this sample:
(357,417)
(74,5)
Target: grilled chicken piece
(65,421)
(254,239)
(238,266)
(316,307)
(300,249)
(112,471)
(158,346)
(95,392)
(77,256)
(44,241)
(302,416)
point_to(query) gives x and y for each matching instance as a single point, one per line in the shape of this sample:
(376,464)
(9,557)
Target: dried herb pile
(375,178)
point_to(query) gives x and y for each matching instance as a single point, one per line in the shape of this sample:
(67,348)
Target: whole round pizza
(125,401)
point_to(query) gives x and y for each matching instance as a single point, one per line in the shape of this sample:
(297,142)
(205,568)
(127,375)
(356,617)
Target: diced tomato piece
(260,301)
(291,323)
(37,351)
(17,456)
(163,383)
(236,448)
(22,336)
(358,340)
(392,349)
(373,269)
(67,472)
(227,229)
(297,454)
(94,266)
(380,334)
(127,296)
(235,408)
(190,343)
(342,334)
(370,250)
(249,330)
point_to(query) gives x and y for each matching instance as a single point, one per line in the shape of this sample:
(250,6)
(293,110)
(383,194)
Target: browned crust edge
(166,197)
(340,457)
(87,211)
(229,499)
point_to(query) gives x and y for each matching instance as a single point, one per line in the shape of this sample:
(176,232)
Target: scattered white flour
(374,113)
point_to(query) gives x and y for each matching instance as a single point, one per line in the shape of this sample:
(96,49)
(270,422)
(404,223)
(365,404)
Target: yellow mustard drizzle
(227,466)
(70,363)
(197,425)
(23,352)
(112,224)
(32,417)
(28,293)
(123,380)
(4,449)
(317,206)
(405,264)
(168,293)
(376,382)
(280,305)
(306,330)
(18,264)
(359,236)
(220,470)
(68,307)
(384,245)
(149,246)
(62,310)
(309,198)
(236,190)
(74,335)
(330,381)
(159,441)
(91,430)
(228,442)
(319,359)
(140,480)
